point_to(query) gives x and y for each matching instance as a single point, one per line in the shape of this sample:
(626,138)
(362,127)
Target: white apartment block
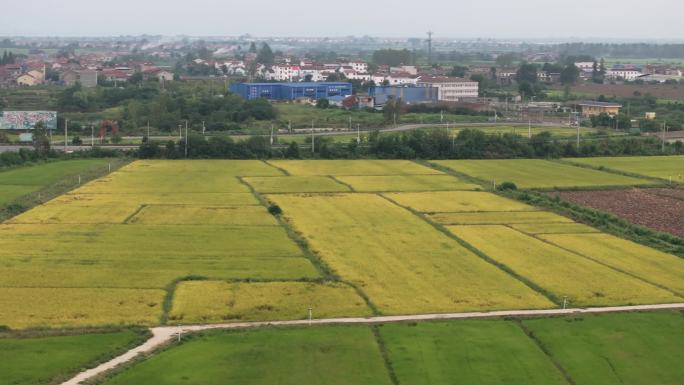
(358,66)
(623,74)
(285,72)
(585,65)
(451,89)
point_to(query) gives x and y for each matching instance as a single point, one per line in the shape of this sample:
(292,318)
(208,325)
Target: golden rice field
(402,263)
(409,238)
(293,184)
(380,183)
(538,173)
(563,273)
(553,228)
(497,218)
(58,307)
(457,201)
(353,167)
(203,215)
(218,301)
(646,263)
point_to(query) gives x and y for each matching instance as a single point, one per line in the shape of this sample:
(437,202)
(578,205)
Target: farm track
(164,334)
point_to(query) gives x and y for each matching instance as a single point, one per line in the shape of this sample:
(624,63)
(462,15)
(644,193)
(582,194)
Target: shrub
(275,209)
(507,186)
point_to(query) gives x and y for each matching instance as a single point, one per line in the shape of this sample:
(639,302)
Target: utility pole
(350,124)
(313,141)
(529,126)
(92,135)
(203,128)
(271,134)
(148,130)
(358,133)
(310,314)
(186,139)
(66,132)
(429,41)
(662,148)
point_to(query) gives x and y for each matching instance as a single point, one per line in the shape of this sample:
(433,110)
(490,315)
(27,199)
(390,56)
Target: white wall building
(623,74)
(451,89)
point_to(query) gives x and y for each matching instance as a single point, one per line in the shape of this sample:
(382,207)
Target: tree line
(416,144)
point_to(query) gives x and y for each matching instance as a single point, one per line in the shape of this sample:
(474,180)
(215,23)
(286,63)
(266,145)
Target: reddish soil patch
(659,209)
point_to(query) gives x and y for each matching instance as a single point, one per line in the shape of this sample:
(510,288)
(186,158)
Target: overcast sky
(624,19)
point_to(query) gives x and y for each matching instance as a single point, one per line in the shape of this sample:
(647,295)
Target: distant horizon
(500,19)
(437,38)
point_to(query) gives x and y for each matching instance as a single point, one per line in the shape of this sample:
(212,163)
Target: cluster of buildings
(660,73)
(426,90)
(85,69)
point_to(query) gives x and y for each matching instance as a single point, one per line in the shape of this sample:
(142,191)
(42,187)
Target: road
(164,334)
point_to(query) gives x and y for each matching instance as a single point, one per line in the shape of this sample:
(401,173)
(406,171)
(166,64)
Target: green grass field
(600,349)
(315,356)
(663,167)
(20,181)
(48,359)
(467,352)
(537,173)
(616,349)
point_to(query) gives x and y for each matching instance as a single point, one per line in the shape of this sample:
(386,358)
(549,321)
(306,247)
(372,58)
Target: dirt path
(164,334)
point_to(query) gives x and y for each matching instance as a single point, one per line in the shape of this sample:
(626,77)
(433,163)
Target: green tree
(41,141)
(265,55)
(292,151)
(322,103)
(526,73)
(569,75)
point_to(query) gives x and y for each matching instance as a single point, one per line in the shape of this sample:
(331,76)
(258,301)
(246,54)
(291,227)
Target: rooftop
(599,104)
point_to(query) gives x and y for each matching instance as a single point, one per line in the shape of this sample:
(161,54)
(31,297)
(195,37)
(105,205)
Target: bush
(275,210)
(507,186)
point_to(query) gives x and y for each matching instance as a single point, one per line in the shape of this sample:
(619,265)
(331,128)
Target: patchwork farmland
(231,241)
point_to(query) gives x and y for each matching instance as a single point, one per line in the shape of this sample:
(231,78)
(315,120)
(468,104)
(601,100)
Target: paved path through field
(164,334)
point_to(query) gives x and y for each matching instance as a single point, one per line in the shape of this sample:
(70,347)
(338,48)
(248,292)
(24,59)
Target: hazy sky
(631,19)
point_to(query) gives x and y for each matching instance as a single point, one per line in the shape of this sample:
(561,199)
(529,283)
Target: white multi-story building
(451,89)
(401,79)
(585,65)
(358,66)
(624,73)
(283,72)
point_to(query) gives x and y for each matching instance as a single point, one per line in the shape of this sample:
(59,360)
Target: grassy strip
(285,172)
(486,185)
(136,212)
(351,188)
(603,221)
(170,289)
(546,351)
(385,355)
(54,190)
(442,229)
(327,272)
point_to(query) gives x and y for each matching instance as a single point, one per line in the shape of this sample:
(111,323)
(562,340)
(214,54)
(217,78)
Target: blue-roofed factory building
(292,91)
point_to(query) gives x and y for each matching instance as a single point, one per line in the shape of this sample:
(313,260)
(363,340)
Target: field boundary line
(617,269)
(325,270)
(480,254)
(284,171)
(540,345)
(350,187)
(162,335)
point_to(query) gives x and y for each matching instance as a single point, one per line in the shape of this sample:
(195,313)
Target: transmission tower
(429,41)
